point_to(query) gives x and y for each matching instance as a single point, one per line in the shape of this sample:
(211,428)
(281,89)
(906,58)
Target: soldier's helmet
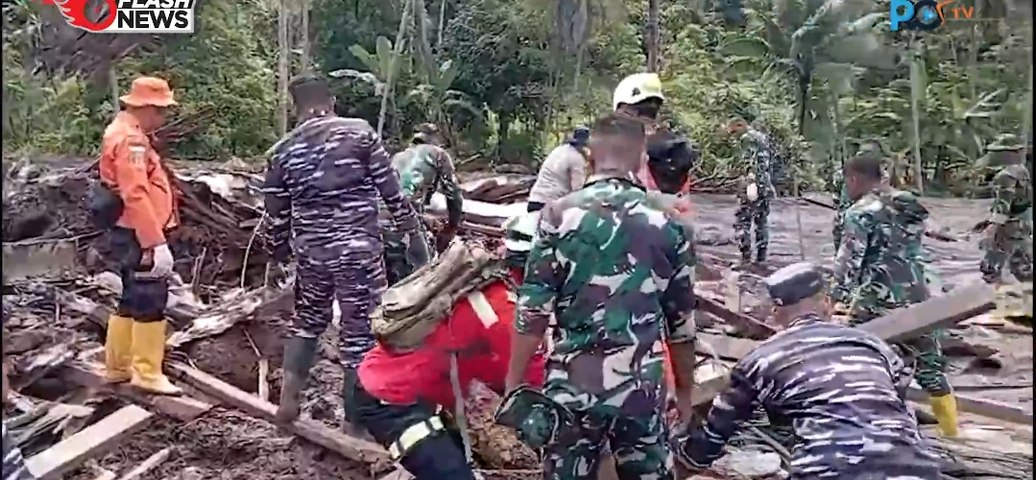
(637,88)
(794,283)
(519,235)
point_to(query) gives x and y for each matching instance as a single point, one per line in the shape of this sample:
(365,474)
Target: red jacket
(483,343)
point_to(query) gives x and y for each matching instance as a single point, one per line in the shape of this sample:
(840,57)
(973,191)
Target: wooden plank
(183,408)
(749,325)
(338,442)
(943,311)
(71,452)
(930,233)
(148,464)
(981,406)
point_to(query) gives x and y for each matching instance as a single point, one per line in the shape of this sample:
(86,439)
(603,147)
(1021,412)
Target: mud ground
(228,445)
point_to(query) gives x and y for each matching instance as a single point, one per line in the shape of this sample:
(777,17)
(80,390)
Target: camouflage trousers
(356,281)
(640,447)
(837,229)
(404,253)
(1011,244)
(751,213)
(926,353)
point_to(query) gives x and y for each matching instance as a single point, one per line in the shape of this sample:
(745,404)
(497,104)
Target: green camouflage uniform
(423,169)
(843,201)
(1011,215)
(758,153)
(879,268)
(616,274)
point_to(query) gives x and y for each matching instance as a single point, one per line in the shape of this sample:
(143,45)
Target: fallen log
(338,442)
(53,463)
(148,464)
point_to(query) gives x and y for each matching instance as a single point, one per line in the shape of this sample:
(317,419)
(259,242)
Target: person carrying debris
(755,192)
(563,172)
(137,207)
(424,168)
(879,267)
(407,383)
(614,280)
(842,388)
(321,193)
(1007,237)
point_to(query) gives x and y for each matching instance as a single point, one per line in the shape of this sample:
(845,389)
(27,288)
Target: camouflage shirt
(841,389)
(1012,191)
(879,262)
(425,169)
(617,275)
(323,185)
(757,152)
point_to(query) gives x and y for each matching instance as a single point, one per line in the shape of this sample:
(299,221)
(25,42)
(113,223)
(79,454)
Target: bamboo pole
(304,35)
(916,91)
(390,76)
(283,47)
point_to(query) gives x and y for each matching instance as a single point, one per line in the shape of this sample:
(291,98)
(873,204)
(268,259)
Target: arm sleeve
(849,260)
(131,176)
(577,172)
(678,299)
(278,203)
(1004,191)
(537,296)
(449,188)
(386,180)
(734,405)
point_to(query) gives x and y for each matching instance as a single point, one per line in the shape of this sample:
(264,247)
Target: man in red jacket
(403,394)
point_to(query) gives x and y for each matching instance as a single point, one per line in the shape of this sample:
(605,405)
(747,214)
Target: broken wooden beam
(151,462)
(70,453)
(981,407)
(183,408)
(338,442)
(746,323)
(930,233)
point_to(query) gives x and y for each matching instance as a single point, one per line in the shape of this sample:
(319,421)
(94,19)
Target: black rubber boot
(299,355)
(760,255)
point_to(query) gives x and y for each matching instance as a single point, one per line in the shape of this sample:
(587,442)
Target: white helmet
(637,88)
(520,233)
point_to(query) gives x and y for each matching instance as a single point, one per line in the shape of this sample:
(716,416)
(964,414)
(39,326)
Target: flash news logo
(128,16)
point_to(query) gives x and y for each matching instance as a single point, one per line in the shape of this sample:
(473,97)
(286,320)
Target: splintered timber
(153,16)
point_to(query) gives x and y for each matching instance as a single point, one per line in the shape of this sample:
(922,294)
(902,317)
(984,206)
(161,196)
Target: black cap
(794,283)
(580,136)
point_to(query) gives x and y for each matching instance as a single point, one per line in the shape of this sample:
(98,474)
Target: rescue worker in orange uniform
(131,168)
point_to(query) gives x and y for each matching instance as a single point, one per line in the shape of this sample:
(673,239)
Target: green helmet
(1005,142)
(1002,151)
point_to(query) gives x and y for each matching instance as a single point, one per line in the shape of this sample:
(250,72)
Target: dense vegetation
(507,78)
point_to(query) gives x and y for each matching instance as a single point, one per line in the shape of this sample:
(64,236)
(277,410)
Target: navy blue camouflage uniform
(14,464)
(322,191)
(841,387)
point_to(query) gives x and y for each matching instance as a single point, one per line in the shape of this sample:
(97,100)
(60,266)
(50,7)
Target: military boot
(299,355)
(760,255)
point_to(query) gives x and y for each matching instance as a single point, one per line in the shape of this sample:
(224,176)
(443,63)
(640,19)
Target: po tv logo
(926,14)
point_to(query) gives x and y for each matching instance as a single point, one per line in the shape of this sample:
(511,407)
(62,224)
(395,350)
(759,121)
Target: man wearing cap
(1008,236)
(755,192)
(563,172)
(613,277)
(130,166)
(841,387)
(424,168)
(322,188)
(880,267)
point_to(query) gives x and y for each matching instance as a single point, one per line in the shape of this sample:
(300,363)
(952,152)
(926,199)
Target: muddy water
(955,263)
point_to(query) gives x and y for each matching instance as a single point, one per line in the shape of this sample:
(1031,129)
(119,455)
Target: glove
(752,192)
(162,261)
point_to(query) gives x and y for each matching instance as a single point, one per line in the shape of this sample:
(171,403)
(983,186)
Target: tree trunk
(283,48)
(803,96)
(651,36)
(390,76)
(113,84)
(916,92)
(304,35)
(442,25)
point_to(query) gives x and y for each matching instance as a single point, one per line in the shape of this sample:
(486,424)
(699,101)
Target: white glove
(752,191)
(162,259)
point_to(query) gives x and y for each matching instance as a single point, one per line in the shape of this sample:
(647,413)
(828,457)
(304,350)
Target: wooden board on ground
(338,442)
(981,407)
(91,375)
(71,452)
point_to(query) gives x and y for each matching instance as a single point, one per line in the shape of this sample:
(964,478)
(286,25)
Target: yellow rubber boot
(945,409)
(118,356)
(148,352)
